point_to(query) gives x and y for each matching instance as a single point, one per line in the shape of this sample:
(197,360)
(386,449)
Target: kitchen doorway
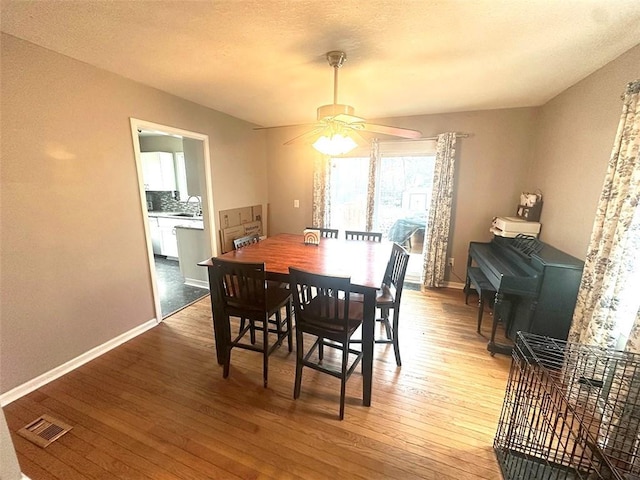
(173,167)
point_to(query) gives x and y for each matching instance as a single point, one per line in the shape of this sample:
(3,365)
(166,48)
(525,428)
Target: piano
(536,286)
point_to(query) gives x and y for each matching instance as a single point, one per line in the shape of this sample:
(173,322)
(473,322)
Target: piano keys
(536,286)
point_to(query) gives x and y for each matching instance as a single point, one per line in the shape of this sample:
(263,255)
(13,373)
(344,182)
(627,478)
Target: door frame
(208,216)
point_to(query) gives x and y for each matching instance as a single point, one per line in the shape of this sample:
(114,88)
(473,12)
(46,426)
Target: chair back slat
(326,232)
(321,302)
(240,285)
(366,236)
(396,270)
(244,241)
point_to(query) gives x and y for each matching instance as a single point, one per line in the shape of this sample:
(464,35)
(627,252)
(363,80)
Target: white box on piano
(512,226)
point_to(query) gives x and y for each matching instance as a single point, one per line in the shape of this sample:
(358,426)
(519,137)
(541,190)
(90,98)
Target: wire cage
(570,411)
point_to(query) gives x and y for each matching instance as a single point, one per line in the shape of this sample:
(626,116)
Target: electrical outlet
(450,262)
(296,204)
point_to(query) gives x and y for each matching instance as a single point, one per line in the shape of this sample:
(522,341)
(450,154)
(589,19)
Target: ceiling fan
(337,128)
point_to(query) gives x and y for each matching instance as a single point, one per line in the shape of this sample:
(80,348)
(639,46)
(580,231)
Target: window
(401,190)
(348,193)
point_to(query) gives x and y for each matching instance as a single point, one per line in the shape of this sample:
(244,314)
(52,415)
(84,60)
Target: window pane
(403,193)
(349,193)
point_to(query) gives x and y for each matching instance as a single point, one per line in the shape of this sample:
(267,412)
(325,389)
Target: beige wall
(491,171)
(73,259)
(573,145)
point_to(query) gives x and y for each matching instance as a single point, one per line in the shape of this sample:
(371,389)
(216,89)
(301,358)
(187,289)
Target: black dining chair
(326,232)
(323,310)
(388,298)
(244,241)
(242,289)
(368,236)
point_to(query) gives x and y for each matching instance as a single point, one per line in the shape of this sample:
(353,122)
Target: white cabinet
(192,248)
(168,242)
(158,170)
(156,237)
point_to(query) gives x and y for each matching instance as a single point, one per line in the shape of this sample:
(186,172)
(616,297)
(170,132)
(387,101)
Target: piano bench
(481,284)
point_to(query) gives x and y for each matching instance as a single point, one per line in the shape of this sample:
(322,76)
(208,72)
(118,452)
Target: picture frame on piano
(531,214)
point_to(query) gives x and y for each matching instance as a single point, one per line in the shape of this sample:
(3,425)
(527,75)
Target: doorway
(174,180)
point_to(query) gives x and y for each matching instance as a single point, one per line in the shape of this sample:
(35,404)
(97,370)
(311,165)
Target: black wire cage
(570,411)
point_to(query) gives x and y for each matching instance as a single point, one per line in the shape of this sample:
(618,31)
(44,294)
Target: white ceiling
(264,60)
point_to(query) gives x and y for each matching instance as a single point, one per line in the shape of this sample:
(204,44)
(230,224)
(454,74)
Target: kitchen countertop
(199,225)
(178,215)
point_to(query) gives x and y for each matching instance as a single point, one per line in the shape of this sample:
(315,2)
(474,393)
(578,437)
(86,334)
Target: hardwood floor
(157,407)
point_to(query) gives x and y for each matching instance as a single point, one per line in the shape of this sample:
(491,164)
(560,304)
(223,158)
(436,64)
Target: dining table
(364,262)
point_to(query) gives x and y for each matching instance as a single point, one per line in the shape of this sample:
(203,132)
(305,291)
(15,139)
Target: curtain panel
(607,303)
(321,208)
(436,239)
(374,161)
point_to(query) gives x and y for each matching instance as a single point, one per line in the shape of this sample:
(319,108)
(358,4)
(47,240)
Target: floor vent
(44,430)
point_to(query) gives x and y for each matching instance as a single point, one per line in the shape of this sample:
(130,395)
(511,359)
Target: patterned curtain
(608,305)
(321,208)
(374,158)
(436,237)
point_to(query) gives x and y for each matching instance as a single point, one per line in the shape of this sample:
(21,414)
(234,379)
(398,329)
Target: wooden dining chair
(326,232)
(368,236)
(388,298)
(244,241)
(242,289)
(323,310)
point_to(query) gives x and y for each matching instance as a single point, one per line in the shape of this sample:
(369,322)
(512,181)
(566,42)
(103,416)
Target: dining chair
(369,236)
(326,232)
(323,310)
(244,293)
(388,298)
(244,241)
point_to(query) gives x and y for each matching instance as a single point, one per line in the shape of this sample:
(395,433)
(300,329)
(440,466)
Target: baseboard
(456,285)
(197,283)
(31,385)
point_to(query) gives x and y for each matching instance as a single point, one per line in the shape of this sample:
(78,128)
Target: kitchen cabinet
(158,170)
(192,248)
(156,240)
(167,234)
(168,241)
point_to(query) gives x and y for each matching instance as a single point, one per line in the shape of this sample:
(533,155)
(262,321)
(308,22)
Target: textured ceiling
(264,60)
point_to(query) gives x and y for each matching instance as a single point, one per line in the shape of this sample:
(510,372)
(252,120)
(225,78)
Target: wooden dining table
(365,262)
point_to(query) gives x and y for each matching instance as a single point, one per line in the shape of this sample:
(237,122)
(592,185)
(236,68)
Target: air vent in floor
(44,430)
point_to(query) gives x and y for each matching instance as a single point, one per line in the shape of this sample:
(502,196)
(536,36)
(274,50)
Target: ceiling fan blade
(285,126)
(305,137)
(394,131)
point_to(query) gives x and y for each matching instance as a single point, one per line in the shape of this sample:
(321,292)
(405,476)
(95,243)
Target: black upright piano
(536,286)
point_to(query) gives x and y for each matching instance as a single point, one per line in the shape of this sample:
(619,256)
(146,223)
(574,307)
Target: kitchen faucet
(199,203)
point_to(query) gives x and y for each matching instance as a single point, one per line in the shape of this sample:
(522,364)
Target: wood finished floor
(157,407)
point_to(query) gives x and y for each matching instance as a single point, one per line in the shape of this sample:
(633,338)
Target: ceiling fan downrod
(336,59)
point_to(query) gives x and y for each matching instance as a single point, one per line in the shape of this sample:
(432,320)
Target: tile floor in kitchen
(174,294)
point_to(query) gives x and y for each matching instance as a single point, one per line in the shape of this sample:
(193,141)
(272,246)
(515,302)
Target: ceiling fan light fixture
(335,144)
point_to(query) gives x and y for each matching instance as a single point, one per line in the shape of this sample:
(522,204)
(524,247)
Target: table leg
(368,330)
(221,327)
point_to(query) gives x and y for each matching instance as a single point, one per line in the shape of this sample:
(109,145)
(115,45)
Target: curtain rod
(402,140)
(458,135)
